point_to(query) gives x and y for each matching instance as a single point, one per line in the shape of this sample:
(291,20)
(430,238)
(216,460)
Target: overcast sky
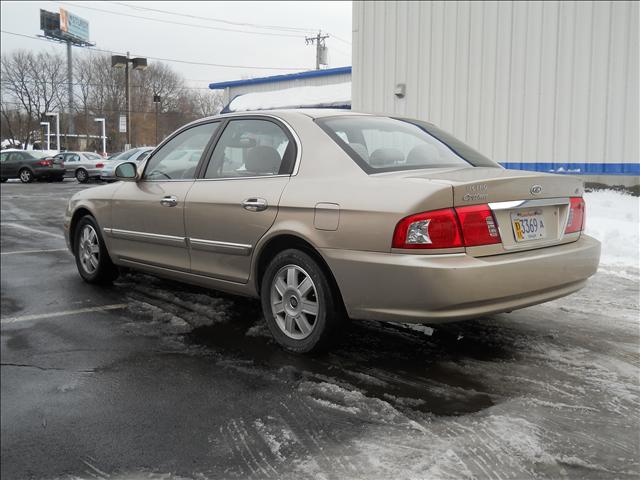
(144,37)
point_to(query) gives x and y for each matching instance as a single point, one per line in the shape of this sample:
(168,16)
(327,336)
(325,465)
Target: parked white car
(133,155)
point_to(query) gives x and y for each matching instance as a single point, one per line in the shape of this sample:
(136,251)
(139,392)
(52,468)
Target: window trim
(171,137)
(284,126)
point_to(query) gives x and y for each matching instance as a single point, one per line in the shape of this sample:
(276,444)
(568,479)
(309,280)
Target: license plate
(528,225)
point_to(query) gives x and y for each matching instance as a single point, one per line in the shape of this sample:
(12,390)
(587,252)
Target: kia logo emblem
(536,189)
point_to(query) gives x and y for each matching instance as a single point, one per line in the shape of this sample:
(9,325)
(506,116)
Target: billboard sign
(74,25)
(123,124)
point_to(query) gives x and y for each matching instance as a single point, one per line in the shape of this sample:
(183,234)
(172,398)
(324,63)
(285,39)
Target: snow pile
(336,95)
(613,218)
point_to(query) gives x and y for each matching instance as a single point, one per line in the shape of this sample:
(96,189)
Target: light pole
(157,100)
(48,125)
(139,63)
(57,115)
(104,137)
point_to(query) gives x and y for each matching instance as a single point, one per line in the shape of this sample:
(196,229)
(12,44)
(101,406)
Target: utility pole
(157,100)
(321,49)
(139,63)
(72,127)
(127,90)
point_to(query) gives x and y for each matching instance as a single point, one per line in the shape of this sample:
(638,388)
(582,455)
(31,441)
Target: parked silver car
(133,155)
(82,165)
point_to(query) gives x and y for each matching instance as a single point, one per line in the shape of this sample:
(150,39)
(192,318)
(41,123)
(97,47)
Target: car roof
(283,112)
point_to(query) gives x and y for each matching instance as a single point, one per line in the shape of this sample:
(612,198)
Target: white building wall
(523,82)
(232,92)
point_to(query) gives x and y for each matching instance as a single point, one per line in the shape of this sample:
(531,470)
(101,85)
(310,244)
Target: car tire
(58,179)
(299,302)
(82,175)
(25,175)
(3,180)
(92,258)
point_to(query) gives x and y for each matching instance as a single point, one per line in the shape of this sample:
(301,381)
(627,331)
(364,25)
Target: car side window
(251,148)
(142,156)
(178,158)
(4,157)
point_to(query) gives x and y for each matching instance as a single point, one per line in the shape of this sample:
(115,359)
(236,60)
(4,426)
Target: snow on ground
(613,218)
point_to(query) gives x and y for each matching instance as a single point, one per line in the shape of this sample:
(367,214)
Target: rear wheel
(82,175)
(25,175)
(4,180)
(298,302)
(92,258)
(58,179)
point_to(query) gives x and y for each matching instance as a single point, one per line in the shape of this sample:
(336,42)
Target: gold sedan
(327,214)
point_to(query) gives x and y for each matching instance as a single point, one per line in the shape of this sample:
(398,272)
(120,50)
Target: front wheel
(299,303)
(82,175)
(92,258)
(26,175)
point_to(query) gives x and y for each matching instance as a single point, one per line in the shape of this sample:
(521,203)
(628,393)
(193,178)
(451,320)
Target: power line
(90,84)
(252,67)
(173,22)
(228,22)
(102,110)
(340,39)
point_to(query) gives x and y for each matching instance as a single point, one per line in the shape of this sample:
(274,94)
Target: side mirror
(127,171)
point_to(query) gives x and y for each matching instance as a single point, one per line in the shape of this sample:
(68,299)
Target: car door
(235,199)
(12,164)
(5,167)
(148,215)
(71,162)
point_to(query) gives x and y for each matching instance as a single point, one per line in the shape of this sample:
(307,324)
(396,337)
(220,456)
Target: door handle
(255,204)
(169,201)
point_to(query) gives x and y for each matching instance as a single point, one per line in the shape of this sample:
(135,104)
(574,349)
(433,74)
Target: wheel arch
(284,241)
(79,212)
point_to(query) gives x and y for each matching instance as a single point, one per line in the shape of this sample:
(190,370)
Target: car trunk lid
(519,200)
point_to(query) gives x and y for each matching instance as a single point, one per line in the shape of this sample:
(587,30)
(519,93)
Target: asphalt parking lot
(152,379)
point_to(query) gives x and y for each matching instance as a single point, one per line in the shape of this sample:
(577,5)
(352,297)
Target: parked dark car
(29,166)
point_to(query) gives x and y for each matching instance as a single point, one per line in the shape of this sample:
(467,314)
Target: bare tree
(32,83)
(206,103)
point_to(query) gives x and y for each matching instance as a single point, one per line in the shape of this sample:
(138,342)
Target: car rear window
(92,156)
(384,144)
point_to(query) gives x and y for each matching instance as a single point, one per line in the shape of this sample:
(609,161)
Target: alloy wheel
(294,302)
(81,176)
(25,176)
(89,249)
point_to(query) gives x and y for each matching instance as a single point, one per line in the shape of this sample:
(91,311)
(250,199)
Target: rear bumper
(441,288)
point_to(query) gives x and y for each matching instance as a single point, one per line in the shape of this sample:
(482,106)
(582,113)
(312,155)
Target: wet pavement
(153,379)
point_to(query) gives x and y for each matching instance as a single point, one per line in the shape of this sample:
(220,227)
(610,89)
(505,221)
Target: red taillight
(99,165)
(45,163)
(478,225)
(436,229)
(448,228)
(575,222)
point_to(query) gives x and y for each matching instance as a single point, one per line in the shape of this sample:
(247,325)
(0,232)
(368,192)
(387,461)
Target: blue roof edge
(281,78)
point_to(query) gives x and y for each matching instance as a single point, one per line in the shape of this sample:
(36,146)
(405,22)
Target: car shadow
(395,363)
